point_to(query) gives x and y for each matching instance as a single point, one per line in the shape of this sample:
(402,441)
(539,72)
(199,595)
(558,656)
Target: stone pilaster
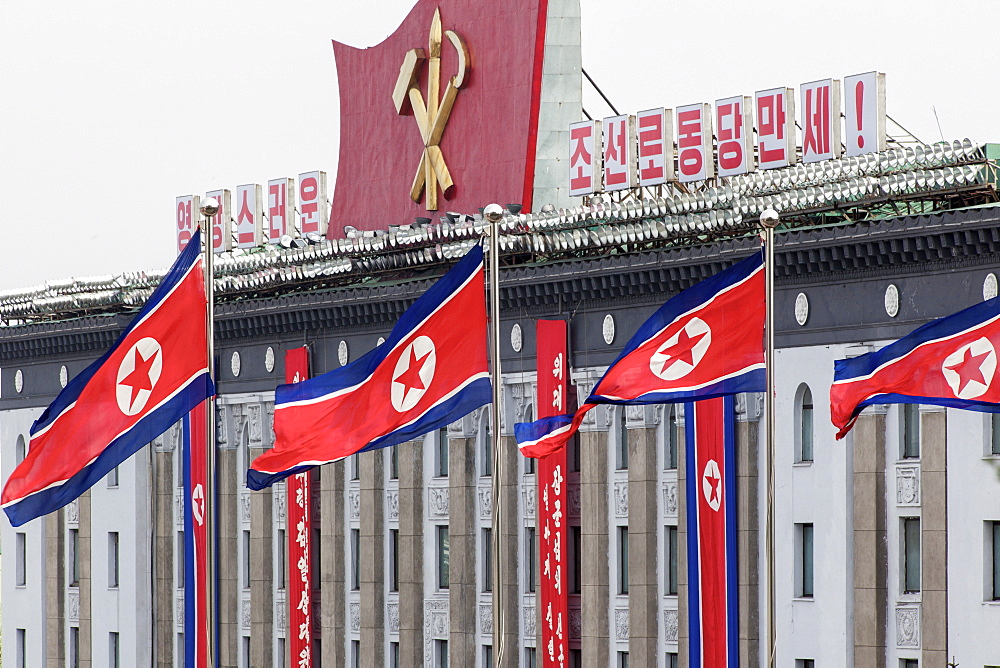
(507,568)
(411,553)
(86,582)
(163,543)
(683,622)
(55,588)
(262,575)
(594,547)
(373,561)
(644,596)
(747,531)
(229,528)
(462,536)
(870,558)
(934,539)
(332,565)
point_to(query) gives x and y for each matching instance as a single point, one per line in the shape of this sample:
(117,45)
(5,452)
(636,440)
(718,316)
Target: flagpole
(769,220)
(209,208)
(494,214)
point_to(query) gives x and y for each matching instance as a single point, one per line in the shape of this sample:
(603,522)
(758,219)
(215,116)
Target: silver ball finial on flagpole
(769,218)
(210,207)
(493,213)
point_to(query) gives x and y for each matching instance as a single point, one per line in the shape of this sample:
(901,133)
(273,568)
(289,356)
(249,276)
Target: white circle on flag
(711,485)
(198,504)
(680,354)
(969,370)
(413,373)
(137,375)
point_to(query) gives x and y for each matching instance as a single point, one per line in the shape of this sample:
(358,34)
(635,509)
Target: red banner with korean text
(553,377)
(299,523)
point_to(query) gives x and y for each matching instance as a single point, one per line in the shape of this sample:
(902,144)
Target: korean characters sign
(820,120)
(775,128)
(694,143)
(280,205)
(222,238)
(313,209)
(299,530)
(553,379)
(864,113)
(655,133)
(187,213)
(734,131)
(585,153)
(619,153)
(249,216)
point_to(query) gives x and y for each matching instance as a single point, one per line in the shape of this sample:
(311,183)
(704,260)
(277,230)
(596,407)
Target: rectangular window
(444,559)
(911,431)
(282,566)
(805,663)
(113,477)
(394,655)
(394,463)
(671,539)
(355,559)
(281,652)
(911,555)
(74,557)
(672,660)
(530,558)
(529,465)
(74,646)
(486,466)
(573,453)
(576,658)
(245,642)
(441,653)
(246,559)
(574,571)
(995,433)
(529,658)
(806,428)
(355,465)
(113,650)
(21,652)
(316,547)
(112,559)
(905,663)
(488,560)
(487,656)
(356,653)
(180,560)
(622,659)
(393,559)
(622,560)
(996,560)
(621,444)
(670,439)
(805,574)
(441,454)
(20,566)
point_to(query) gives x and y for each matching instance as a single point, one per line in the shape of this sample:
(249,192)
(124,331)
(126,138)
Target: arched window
(20,450)
(670,437)
(804,425)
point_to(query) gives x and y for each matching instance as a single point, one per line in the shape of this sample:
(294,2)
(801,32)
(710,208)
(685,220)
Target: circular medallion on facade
(608,329)
(63,376)
(990,286)
(892,300)
(234,363)
(342,353)
(801,308)
(516,340)
(269,359)
(381,340)
(18,381)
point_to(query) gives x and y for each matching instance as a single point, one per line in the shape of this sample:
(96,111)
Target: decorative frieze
(621,498)
(908,485)
(486,620)
(73,604)
(908,626)
(73,512)
(256,427)
(437,502)
(355,614)
(245,508)
(528,614)
(621,624)
(354,503)
(671,624)
(436,626)
(245,614)
(392,617)
(670,499)
(392,504)
(528,495)
(485,496)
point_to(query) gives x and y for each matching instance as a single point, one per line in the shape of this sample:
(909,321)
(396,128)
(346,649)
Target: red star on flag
(715,481)
(681,351)
(139,379)
(969,369)
(410,378)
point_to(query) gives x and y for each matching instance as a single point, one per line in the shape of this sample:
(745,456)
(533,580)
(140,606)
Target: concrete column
(509,556)
(332,564)
(462,536)
(643,520)
(683,623)
(373,558)
(870,558)
(56,650)
(411,553)
(86,582)
(747,538)
(594,583)
(934,539)
(227,473)
(163,543)
(262,574)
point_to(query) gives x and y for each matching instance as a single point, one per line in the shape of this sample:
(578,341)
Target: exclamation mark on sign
(859,105)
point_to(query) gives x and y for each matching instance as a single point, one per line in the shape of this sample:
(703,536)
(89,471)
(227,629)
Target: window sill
(802,465)
(804,599)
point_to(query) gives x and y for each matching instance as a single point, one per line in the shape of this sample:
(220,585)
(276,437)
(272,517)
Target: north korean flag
(431,370)
(951,361)
(706,342)
(154,374)
(713,598)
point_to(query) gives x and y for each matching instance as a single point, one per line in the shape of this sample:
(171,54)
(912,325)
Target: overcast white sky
(109,110)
